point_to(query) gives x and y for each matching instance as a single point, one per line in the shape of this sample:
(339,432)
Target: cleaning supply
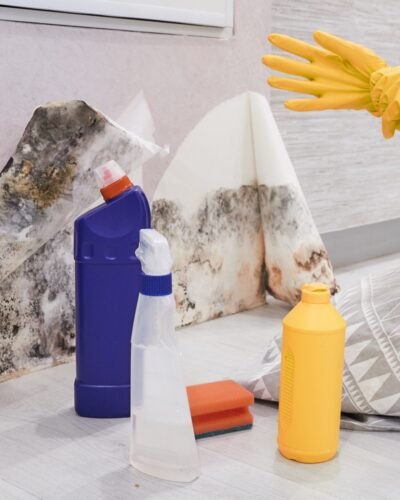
(219,407)
(311,378)
(107,275)
(340,74)
(162,439)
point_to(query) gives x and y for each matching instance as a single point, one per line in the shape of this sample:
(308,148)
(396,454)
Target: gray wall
(350,174)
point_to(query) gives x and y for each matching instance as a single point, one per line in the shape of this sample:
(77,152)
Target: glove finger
(339,101)
(297,47)
(361,58)
(314,87)
(328,71)
(290,66)
(388,128)
(293,85)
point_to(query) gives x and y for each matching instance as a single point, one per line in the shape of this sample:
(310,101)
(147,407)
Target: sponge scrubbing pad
(219,407)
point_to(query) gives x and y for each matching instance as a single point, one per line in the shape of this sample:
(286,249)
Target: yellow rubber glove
(340,74)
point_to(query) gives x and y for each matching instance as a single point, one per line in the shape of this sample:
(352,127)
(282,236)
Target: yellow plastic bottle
(311,378)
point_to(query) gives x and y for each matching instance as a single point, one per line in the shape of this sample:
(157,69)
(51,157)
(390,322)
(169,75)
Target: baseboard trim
(349,246)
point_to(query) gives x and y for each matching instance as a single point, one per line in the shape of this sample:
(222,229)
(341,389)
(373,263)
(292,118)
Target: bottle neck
(315,293)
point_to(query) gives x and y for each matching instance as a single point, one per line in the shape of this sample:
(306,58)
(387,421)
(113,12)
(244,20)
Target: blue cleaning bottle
(107,278)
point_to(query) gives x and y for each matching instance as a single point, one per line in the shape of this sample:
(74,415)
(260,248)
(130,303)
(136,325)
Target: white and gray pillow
(371,378)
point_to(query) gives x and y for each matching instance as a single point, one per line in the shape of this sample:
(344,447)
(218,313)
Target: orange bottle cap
(112,180)
(112,190)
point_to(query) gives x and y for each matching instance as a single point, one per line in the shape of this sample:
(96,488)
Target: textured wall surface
(182,77)
(349,173)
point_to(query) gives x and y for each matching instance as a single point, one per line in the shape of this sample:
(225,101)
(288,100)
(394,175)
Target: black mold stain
(41,279)
(285,214)
(315,258)
(223,214)
(9,321)
(47,277)
(43,165)
(281,210)
(48,166)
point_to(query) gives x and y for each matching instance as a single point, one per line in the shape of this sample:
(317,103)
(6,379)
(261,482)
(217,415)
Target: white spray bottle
(163,442)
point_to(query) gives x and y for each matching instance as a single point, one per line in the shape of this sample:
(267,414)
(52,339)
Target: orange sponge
(219,407)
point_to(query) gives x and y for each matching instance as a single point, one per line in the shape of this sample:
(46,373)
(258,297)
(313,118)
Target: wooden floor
(47,452)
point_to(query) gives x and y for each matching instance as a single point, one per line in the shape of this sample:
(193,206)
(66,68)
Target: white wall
(182,77)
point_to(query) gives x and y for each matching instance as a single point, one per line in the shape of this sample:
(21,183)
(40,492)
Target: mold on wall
(181,77)
(218,253)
